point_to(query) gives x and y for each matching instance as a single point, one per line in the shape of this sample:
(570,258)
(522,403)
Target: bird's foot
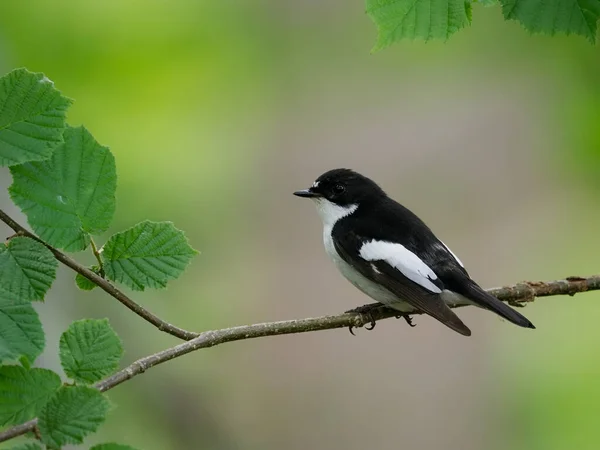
(408,319)
(365,311)
(372,324)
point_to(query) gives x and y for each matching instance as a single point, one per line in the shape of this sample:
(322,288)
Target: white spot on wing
(330,214)
(452,253)
(402,259)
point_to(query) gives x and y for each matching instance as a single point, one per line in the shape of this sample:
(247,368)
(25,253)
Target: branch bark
(102,284)
(518,294)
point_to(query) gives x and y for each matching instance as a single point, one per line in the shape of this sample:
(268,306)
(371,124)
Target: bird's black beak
(307,193)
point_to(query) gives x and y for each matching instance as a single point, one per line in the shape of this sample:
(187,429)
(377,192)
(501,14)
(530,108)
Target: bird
(391,255)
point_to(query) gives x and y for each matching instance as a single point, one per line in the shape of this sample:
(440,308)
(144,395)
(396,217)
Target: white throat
(330,213)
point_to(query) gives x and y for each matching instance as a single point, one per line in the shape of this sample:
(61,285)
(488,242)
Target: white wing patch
(402,259)
(452,253)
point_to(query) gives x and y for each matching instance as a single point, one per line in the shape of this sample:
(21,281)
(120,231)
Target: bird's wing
(401,272)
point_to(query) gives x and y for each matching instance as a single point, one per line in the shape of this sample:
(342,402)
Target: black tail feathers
(485,300)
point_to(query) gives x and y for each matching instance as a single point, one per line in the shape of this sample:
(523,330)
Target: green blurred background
(217,111)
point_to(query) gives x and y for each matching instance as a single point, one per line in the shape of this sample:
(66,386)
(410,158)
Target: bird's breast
(373,290)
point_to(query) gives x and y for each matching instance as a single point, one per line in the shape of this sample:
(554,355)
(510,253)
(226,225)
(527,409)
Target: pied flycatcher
(388,253)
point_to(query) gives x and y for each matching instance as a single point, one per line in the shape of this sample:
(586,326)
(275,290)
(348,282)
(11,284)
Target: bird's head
(339,192)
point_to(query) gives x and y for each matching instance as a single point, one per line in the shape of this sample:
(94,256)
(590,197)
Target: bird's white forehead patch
(315,184)
(330,213)
(402,259)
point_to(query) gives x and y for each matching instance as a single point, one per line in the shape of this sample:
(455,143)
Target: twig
(103,284)
(18,430)
(521,293)
(98,257)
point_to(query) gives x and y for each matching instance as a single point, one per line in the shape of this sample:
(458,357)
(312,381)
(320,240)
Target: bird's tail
(486,300)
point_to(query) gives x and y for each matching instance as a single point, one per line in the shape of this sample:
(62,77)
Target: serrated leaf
(417,19)
(32,117)
(487,3)
(83,283)
(29,446)
(555,16)
(27,268)
(112,446)
(21,333)
(71,195)
(71,414)
(23,393)
(147,255)
(90,350)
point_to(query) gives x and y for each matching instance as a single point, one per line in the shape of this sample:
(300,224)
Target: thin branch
(517,294)
(98,257)
(103,284)
(18,430)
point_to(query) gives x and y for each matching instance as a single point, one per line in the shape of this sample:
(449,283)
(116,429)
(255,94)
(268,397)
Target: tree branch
(518,294)
(102,284)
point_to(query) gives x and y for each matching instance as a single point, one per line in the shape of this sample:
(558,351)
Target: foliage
(424,19)
(32,117)
(64,181)
(24,392)
(28,269)
(90,350)
(71,195)
(439,19)
(71,414)
(21,334)
(147,255)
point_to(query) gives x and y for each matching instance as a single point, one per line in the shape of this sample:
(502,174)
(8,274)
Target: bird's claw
(372,321)
(408,319)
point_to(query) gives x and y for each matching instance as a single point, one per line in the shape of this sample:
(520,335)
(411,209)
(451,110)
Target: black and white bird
(388,253)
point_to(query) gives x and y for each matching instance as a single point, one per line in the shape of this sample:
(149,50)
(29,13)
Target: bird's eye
(338,189)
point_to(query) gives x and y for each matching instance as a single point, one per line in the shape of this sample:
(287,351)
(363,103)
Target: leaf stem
(98,257)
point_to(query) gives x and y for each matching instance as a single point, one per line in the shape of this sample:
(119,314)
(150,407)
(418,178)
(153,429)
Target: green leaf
(417,19)
(71,414)
(71,195)
(21,333)
(29,446)
(32,117)
(112,446)
(83,283)
(23,393)
(27,268)
(90,350)
(555,16)
(147,255)
(486,3)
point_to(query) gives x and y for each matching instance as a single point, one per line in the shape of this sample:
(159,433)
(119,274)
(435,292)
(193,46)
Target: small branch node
(98,258)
